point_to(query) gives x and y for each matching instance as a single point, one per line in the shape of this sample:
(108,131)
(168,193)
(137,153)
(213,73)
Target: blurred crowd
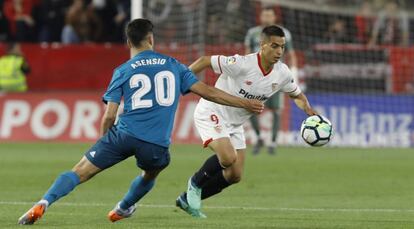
(371,22)
(66,21)
(388,25)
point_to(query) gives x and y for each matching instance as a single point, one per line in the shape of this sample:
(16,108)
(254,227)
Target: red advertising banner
(73,117)
(50,116)
(76,116)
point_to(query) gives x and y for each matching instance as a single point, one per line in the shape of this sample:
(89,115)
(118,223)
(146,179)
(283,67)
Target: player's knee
(84,174)
(234,177)
(82,177)
(151,175)
(228,160)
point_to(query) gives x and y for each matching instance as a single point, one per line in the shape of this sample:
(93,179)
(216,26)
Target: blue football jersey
(151,84)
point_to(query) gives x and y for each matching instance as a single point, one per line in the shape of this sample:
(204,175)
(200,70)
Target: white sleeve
(291,87)
(230,65)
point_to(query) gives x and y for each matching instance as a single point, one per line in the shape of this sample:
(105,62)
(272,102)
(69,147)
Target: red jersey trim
(260,66)
(205,144)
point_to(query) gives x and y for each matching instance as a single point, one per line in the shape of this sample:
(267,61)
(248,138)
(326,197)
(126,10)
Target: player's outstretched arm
(218,96)
(109,117)
(200,64)
(302,102)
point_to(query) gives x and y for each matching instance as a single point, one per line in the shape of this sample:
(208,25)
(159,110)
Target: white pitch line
(249,208)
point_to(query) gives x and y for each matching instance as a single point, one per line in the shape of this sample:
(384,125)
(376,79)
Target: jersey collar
(261,67)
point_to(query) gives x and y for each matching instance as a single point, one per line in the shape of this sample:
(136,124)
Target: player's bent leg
(182,203)
(228,177)
(215,185)
(233,174)
(225,156)
(85,169)
(62,186)
(152,159)
(225,151)
(140,186)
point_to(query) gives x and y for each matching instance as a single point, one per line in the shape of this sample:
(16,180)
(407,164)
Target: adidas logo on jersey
(92,153)
(250,96)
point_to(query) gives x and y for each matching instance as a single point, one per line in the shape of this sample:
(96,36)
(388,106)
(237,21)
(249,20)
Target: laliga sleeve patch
(231,60)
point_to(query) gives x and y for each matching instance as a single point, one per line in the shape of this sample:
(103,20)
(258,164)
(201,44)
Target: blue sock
(138,189)
(64,184)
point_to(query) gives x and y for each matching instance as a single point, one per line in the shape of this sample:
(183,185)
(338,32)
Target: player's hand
(254,106)
(310,111)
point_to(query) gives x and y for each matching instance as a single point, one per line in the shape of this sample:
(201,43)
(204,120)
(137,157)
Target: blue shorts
(116,146)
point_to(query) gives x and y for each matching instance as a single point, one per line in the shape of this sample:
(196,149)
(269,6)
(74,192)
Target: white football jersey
(243,76)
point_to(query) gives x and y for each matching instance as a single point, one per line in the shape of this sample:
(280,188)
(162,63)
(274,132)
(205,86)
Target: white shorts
(211,126)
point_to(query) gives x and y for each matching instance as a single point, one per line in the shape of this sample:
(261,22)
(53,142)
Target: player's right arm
(220,64)
(112,98)
(200,64)
(109,117)
(218,96)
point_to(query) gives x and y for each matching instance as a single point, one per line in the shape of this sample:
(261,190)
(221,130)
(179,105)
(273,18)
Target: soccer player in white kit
(254,76)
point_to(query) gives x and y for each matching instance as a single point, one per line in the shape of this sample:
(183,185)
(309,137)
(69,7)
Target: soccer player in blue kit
(151,84)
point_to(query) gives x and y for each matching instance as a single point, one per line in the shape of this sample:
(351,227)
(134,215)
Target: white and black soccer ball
(316,130)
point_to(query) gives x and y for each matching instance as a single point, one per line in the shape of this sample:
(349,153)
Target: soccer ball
(316,130)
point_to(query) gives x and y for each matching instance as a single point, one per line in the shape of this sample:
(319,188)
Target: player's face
(273,48)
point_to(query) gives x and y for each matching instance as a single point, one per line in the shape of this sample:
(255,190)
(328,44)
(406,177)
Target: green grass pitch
(298,188)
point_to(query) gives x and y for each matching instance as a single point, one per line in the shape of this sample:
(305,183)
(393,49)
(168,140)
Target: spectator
(50,18)
(391,27)
(114,14)
(82,24)
(191,18)
(363,22)
(13,68)
(4,28)
(19,15)
(337,32)
(216,13)
(105,10)
(71,31)
(123,15)
(234,27)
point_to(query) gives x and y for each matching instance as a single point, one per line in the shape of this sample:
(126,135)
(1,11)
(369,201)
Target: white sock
(43,201)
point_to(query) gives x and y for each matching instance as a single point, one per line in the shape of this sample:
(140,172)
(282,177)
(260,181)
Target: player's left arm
(109,117)
(303,103)
(293,90)
(231,65)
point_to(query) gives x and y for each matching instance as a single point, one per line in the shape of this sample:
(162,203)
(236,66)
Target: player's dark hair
(138,29)
(273,30)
